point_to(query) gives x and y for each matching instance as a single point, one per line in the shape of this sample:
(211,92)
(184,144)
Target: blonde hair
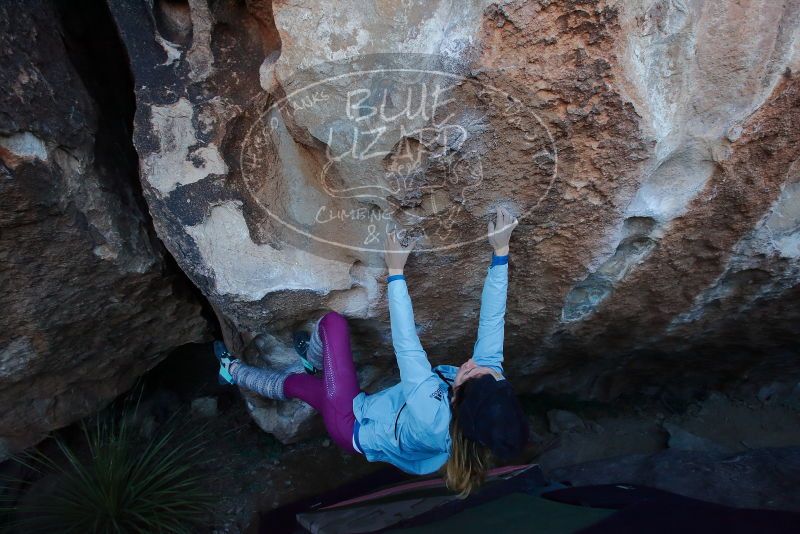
(466,467)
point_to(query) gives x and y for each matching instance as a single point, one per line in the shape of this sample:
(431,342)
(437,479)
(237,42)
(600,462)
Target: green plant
(121,484)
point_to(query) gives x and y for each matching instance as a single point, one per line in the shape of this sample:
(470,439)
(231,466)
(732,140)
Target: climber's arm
(411,357)
(488,349)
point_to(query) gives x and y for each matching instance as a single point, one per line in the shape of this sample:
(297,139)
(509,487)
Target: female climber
(453,418)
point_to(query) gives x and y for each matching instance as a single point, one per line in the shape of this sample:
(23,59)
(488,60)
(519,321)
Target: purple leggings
(332,395)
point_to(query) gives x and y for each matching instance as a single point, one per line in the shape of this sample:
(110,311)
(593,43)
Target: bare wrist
(393,272)
(502,251)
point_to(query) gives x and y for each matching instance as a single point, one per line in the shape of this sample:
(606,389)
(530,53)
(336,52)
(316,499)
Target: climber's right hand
(500,231)
(395,254)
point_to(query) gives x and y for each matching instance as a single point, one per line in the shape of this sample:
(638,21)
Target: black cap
(491,415)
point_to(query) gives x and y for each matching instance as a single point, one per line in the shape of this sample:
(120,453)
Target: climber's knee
(332,321)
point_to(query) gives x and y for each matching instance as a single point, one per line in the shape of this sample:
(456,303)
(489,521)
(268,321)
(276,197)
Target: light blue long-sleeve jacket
(407,424)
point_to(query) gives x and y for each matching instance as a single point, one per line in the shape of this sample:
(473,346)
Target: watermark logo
(395,143)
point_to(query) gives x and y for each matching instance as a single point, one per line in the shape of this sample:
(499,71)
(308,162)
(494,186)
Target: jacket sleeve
(488,349)
(411,357)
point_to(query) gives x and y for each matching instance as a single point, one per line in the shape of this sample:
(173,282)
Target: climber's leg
(307,388)
(333,394)
(266,382)
(314,353)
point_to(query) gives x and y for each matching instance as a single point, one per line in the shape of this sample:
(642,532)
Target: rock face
(648,148)
(89,299)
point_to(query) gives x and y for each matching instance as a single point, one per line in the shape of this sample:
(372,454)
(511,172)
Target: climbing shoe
(225,360)
(301,340)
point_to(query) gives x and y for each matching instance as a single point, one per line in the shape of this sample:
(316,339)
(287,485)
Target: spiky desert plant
(124,484)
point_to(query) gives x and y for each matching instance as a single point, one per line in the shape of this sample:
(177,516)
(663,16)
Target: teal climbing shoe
(225,360)
(300,340)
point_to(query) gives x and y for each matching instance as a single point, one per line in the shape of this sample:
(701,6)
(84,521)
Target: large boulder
(648,148)
(90,299)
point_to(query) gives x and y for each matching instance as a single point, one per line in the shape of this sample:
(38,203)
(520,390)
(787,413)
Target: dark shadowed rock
(90,299)
(761,478)
(562,421)
(684,440)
